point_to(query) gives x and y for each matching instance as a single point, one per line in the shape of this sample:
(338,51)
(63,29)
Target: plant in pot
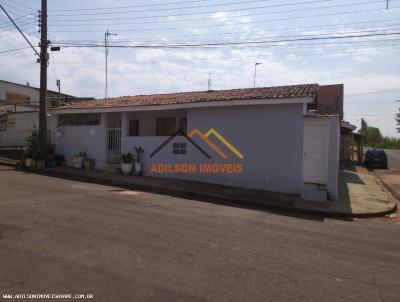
(126,163)
(89,163)
(78,160)
(138,163)
(32,149)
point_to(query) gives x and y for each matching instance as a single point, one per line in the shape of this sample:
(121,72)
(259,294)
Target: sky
(356,43)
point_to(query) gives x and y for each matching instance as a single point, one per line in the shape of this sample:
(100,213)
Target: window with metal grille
(179,148)
(133,128)
(3,123)
(183,125)
(166,126)
(81,119)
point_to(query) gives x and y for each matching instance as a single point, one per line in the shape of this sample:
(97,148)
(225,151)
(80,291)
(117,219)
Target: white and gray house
(262,138)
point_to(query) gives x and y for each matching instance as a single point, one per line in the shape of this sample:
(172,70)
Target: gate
(113,139)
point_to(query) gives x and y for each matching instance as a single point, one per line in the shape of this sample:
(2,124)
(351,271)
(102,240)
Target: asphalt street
(62,236)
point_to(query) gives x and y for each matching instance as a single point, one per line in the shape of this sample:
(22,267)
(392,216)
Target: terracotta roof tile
(277,92)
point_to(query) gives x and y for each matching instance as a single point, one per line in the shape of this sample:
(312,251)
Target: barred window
(166,126)
(179,148)
(80,119)
(133,128)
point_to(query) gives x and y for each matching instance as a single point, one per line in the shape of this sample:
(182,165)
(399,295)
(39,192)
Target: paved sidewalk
(360,195)
(391,181)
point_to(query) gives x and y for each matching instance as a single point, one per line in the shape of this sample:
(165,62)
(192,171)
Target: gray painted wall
(270,137)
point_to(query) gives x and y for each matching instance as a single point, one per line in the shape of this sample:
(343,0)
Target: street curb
(205,197)
(8,164)
(389,188)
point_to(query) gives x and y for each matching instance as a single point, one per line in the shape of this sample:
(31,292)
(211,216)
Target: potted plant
(126,163)
(28,158)
(32,149)
(50,161)
(138,164)
(89,163)
(78,160)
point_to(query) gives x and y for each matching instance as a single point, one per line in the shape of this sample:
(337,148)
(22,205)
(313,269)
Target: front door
(315,152)
(113,133)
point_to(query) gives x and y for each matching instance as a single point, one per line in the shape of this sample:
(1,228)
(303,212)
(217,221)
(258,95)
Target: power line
(19,9)
(193,7)
(227,11)
(15,49)
(128,6)
(359,30)
(373,92)
(16,26)
(274,30)
(230,24)
(233,43)
(22,5)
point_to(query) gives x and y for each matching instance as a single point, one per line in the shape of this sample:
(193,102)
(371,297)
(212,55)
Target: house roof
(35,88)
(277,92)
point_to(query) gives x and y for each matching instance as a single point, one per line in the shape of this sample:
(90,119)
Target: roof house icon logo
(206,140)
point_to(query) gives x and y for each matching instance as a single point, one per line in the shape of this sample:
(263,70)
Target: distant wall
(19,127)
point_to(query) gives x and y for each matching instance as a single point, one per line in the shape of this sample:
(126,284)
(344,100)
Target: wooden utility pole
(43,82)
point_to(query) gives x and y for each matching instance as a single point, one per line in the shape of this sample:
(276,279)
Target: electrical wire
(230,24)
(227,11)
(198,6)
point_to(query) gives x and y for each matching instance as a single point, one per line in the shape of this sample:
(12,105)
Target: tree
(398,120)
(372,135)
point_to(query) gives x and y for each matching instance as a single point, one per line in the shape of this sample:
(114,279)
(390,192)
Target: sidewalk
(360,195)
(391,181)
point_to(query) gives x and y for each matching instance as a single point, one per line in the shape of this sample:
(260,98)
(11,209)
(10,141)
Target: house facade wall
(19,127)
(270,137)
(70,140)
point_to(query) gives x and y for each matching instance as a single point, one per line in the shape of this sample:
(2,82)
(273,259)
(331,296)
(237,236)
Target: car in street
(376,158)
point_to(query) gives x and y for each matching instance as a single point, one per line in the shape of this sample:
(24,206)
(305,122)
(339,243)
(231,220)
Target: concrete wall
(70,140)
(269,137)
(19,127)
(333,153)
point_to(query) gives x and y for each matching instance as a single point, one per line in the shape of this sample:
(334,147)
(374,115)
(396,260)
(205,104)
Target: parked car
(376,158)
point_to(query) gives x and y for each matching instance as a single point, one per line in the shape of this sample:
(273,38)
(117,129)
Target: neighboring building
(330,102)
(19,105)
(262,138)
(14,93)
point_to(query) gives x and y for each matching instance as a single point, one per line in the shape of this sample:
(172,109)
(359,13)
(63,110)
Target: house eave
(301,100)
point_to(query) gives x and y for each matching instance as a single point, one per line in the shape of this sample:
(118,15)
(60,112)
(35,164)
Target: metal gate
(113,132)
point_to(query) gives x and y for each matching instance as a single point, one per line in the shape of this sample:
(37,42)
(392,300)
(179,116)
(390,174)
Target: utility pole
(106,35)
(209,82)
(43,82)
(255,72)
